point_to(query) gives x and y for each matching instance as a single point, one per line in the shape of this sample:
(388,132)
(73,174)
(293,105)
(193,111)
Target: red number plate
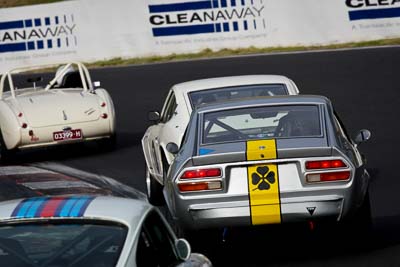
(67,135)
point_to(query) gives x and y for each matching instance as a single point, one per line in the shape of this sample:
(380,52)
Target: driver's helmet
(59,69)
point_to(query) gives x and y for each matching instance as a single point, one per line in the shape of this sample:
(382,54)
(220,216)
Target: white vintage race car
(65,109)
(182,98)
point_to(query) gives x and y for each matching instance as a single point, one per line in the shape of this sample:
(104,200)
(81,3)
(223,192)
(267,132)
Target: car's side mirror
(182,249)
(153,116)
(96,84)
(363,136)
(172,148)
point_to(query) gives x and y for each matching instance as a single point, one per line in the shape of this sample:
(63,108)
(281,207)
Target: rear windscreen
(238,92)
(260,123)
(59,245)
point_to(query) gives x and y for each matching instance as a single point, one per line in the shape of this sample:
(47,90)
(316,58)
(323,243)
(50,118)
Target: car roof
(265,100)
(220,82)
(50,179)
(122,210)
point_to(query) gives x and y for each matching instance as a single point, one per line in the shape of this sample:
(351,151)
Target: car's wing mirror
(182,249)
(172,148)
(153,116)
(363,136)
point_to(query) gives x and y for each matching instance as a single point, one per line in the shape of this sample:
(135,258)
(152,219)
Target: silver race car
(265,161)
(71,218)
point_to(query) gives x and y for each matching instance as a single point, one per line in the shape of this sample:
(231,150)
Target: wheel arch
(9,126)
(103,94)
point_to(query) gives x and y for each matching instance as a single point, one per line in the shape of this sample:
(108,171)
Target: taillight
(20,114)
(201,173)
(24,125)
(104,115)
(325,164)
(340,175)
(103,104)
(328,176)
(200,186)
(199,183)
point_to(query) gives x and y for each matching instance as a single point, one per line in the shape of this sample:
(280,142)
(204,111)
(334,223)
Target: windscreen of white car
(209,96)
(290,121)
(61,244)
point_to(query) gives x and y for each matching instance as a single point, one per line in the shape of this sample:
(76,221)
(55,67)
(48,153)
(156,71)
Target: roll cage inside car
(83,73)
(288,121)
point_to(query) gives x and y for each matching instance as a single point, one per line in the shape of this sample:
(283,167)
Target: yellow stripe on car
(261,149)
(263,182)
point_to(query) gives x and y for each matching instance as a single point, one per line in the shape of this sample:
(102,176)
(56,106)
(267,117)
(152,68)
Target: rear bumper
(292,199)
(43,136)
(238,213)
(55,143)
(220,209)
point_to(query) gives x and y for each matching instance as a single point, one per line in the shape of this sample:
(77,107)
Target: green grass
(14,3)
(208,53)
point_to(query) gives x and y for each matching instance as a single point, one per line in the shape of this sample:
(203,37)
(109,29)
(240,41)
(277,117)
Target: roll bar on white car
(83,72)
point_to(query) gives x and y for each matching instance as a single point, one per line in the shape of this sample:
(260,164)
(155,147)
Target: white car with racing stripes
(55,216)
(170,125)
(66,109)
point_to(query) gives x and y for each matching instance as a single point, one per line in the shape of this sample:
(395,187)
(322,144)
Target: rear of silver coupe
(266,161)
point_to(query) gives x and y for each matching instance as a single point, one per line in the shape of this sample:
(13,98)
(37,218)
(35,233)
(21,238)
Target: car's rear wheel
(179,231)
(108,144)
(362,217)
(359,225)
(154,190)
(6,154)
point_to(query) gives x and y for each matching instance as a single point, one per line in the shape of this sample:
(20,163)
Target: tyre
(179,231)
(108,144)
(195,237)
(363,216)
(6,154)
(359,226)
(154,190)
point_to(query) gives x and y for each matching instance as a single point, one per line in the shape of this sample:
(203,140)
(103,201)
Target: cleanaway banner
(92,30)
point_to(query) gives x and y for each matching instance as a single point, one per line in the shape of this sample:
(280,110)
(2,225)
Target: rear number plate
(67,135)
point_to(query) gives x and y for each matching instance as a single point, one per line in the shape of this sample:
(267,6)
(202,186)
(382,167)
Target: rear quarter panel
(151,150)
(9,126)
(175,128)
(104,95)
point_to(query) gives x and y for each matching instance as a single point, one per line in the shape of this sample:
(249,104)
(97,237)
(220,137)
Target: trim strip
(44,207)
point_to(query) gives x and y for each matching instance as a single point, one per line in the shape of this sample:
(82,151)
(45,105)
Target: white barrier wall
(89,30)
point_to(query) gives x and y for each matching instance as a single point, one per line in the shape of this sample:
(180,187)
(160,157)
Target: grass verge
(208,53)
(15,3)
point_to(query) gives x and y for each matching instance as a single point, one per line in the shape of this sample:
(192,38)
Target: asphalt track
(364,87)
